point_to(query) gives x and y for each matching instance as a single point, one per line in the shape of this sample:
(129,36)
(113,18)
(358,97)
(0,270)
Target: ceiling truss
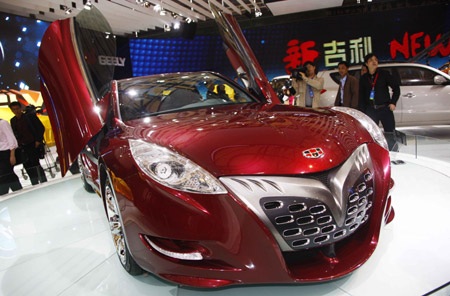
(130,17)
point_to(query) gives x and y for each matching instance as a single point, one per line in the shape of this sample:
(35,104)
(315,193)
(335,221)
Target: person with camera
(348,92)
(374,97)
(307,85)
(29,132)
(8,144)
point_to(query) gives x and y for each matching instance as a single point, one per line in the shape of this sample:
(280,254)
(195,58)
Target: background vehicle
(424,92)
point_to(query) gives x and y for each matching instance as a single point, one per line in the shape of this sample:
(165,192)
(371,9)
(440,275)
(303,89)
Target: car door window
(416,76)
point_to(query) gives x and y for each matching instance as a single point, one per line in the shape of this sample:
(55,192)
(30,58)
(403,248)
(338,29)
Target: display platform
(55,241)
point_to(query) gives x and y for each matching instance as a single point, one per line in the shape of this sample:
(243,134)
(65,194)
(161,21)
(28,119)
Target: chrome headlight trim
(367,122)
(173,170)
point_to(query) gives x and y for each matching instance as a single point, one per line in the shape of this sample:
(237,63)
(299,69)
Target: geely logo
(313,153)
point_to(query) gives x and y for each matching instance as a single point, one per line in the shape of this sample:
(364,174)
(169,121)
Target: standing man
(374,96)
(29,132)
(308,88)
(8,144)
(348,92)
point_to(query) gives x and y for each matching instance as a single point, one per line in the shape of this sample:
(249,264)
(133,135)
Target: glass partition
(421,146)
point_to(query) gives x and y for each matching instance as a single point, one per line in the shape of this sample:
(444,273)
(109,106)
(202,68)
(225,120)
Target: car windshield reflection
(146,96)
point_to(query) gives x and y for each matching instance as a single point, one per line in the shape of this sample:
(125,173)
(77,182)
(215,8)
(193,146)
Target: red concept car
(206,187)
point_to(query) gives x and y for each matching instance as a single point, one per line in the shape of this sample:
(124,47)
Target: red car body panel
(57,60)
(252,139)
(246,140)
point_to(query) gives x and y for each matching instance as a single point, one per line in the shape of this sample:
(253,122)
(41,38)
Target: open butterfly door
(76,69)
(242,58)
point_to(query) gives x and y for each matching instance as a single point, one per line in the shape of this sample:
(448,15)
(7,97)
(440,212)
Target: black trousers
(32,165)
(385,115)
(8,179)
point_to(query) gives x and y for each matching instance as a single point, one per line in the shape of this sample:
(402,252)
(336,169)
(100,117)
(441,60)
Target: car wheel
(86,185)
(116,227)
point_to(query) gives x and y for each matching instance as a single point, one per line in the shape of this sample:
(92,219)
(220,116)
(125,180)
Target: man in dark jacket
(29,132)
(374,97)
(348,92)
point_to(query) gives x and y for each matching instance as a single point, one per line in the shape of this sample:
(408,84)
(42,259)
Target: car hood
(252,140)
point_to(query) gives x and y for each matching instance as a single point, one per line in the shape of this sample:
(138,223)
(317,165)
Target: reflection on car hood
(248,139)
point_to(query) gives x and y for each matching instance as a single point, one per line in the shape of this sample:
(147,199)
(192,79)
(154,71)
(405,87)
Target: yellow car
(445,68)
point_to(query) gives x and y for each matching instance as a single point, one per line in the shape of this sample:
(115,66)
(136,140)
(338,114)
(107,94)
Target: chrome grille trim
(324,220)
(347,201)
(274,202)
(316,210)
(311,231)
(307,219)
(321,239)
(298,204)
(331,227)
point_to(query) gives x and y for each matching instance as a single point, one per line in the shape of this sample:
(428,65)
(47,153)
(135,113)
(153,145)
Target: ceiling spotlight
(176,25)
(157,8)
(189,20)
(258,13)
(146,4)
(167,28)
(162,12)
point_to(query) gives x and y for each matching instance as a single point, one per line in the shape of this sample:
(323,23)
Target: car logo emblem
(313,153)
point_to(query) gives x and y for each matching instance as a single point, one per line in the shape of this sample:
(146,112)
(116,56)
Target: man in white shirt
(8,145)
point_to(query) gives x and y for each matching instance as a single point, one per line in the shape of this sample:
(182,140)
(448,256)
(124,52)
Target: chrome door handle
(409,95)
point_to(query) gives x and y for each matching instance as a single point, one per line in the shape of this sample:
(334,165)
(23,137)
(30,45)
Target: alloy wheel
(115,224)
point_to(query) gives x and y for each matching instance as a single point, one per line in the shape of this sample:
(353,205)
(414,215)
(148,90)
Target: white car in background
(424,92)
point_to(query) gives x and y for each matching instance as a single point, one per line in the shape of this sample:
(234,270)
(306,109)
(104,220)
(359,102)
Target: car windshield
(146,96)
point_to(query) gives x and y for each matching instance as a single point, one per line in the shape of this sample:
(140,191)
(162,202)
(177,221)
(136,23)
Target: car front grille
(305,212)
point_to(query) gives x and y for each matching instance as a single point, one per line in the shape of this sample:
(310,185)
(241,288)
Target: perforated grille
(305,222)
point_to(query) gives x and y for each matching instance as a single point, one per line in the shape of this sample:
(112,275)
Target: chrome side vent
(274,185)
(245,184)
(259,184)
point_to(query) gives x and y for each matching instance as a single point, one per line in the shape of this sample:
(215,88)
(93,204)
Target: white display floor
(55,240)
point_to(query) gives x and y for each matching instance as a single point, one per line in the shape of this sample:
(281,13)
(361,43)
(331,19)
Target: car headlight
(368,123)
(173,170)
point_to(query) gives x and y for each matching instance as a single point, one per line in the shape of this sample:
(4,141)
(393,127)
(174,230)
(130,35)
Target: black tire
(115,223)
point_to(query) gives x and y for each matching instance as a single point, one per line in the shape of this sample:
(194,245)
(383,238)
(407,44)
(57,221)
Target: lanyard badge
(372,92)
(372,95)
(311,93)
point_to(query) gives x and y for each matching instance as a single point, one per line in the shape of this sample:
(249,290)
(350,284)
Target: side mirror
(439,80)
